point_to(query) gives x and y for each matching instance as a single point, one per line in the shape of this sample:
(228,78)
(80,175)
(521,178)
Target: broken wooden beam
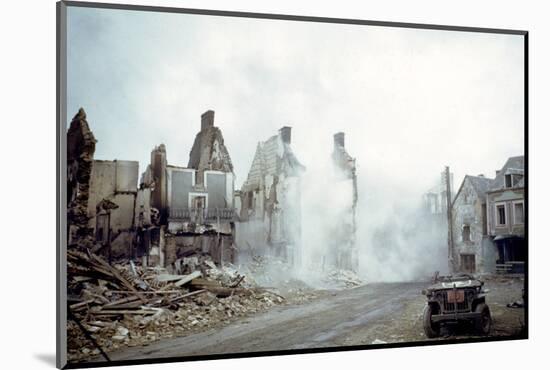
(177,299)
(187,278)
(76,306)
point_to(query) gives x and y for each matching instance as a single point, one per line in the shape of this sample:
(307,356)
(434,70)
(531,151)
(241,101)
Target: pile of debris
(342,279)
(280,277)
(112,306)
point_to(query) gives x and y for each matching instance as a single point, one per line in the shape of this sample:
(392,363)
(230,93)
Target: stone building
(343,250)
(269,202)
(101,195)
(175,212)
(506,214)
(489,221)
(473,250)
(194,204)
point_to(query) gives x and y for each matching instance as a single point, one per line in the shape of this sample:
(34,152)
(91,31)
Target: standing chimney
(207,119)
(285,134)
(339,140)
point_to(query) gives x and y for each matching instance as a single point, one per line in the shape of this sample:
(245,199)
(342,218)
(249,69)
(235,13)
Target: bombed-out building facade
(435,199)
(269,202)
(171,213)
(342,249)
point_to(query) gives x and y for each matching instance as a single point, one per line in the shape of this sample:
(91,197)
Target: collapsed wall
(209,151)
(175,212)
(111,206)
(80,156)
(270,202)
(343,250)
(193,205)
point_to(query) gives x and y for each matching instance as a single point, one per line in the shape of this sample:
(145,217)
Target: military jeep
(455,299)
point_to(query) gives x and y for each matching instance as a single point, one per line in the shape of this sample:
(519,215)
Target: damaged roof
(272,157)
(342,158)
(209,151)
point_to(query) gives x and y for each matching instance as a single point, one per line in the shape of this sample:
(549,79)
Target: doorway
(468,263)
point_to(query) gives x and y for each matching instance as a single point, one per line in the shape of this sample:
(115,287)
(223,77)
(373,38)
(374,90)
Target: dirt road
(387,312)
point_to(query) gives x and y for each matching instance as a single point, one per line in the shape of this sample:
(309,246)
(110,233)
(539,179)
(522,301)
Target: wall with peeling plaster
(117,181)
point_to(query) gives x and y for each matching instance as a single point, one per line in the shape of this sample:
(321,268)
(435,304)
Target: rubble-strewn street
(178,262)
(370,314)
(128,305)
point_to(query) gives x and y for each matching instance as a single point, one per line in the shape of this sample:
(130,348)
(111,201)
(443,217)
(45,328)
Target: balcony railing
(202,215)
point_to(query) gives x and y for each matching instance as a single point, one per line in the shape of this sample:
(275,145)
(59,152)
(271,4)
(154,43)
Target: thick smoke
(397,239)
(404,244)
(327,200)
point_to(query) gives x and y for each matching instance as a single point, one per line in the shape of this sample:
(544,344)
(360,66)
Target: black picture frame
(62,120)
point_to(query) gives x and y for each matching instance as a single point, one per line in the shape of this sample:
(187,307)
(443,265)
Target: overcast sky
(410,101)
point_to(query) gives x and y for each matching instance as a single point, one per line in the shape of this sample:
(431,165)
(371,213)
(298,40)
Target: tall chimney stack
(285,134)
(207,119)
(339,140)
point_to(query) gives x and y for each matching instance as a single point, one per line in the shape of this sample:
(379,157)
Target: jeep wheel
(483,324)
(431,329)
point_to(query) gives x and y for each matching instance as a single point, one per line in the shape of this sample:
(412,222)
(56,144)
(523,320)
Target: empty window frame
(484,218)
(512,180)
(500,214)
(466,233)
(518,213)
(516,179)
(508,181)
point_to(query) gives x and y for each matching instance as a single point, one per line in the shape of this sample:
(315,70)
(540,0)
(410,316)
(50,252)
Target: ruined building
(343,250)
(189,210)
(435,199)
(111,206)
(175,212)
(80,156)
(269,201)
(101,195)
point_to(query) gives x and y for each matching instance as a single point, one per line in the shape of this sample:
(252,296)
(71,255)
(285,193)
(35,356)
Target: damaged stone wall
(110,215)
(343,251)
(270,201)
(80,156)
(209,151)
(101,196)
(154,178)
(195,203)
(114,182)
(219,247)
